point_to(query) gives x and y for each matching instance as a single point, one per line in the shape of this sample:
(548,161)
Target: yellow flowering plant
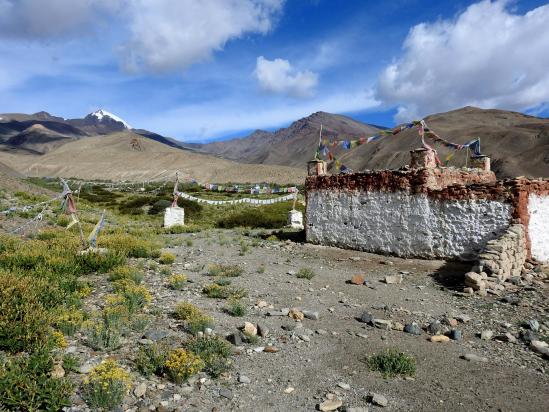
(181,365)
(106,385)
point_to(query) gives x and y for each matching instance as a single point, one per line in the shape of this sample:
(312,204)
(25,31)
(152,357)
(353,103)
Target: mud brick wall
(429,213)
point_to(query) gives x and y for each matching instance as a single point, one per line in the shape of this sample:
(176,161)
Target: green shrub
(106,385)
(195,320)
(236,308)
(24,317)
(71,363)
(151,358)
(223,281)
(98,262)
(220,270)
(268,217)
(128,245)
(26,384)
(166,258)
(159,206)
(69,321)
(135,205)
(136,296)
(214,351)
(103,336)
(392,363)
(126,272)
(305,273)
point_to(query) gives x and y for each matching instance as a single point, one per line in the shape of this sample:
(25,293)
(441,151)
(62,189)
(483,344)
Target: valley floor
(325,358)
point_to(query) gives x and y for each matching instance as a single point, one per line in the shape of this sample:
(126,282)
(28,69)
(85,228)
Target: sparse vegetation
(305,273)
(217,291)
(177,281)
(219,270)
(214,351)
(166,258)
(392,363)
(181,364)
(236,308)
(106,385)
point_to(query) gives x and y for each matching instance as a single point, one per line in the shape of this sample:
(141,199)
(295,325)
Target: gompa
(427,211)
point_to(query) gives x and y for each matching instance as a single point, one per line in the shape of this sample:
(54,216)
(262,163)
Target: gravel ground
(325,358)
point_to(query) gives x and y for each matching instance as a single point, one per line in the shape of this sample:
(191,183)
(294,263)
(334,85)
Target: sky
(212,69)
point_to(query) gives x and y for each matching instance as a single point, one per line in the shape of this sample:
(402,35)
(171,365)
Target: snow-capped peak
(100,114)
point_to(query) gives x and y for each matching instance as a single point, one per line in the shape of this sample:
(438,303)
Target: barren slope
(128,156)
(517,144)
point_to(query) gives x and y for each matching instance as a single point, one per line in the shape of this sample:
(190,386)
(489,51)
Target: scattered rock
(281,312)
(440,338)
(244,379)
(140,390)
(309,314)
(262,330)
(330,405)
(344,385)
(249,329)
(155,334)
(455,334)
(528,336)
(378,399)
(434,328)
(412,328)
(226,393)
(532,324)
(289,389)
(296,314)
(540,347)
(486,334)
(471,357)
(398,326)
(506,337)
(357,280)
(234,338)
(393,280)
(382,324)
(57,372)
(463,318)
(271,349)
(356,409)
(366,317)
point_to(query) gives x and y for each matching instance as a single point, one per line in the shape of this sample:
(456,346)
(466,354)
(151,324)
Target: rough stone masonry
(432,213)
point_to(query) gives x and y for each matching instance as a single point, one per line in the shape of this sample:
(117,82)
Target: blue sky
(217,68)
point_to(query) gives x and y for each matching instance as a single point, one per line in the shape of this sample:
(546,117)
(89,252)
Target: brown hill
(517,144)
(129,156)
(293,145)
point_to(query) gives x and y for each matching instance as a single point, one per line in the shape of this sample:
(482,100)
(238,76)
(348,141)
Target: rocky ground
(303,365)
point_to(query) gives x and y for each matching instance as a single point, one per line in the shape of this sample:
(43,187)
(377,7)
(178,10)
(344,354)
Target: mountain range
(102,145)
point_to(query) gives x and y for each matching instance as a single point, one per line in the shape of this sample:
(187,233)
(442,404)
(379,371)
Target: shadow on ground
(451,274)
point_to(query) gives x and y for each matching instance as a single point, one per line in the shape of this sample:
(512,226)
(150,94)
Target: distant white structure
(295,219)
(174,216)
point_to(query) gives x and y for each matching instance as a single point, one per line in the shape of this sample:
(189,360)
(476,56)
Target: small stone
(140,390)
(463,318)
(271,349)
(506,337)
(281,312)
(398,326)
(366,317)
(330,405)
(532,324)
(344,385)
(382,324)
(434,328)
(249,329)
(455,334)
(155,334)
(310,314)
(471,357)
(356,409)
(393,280)
(357,280)
(378,400)
(540,347)
(234,338)
(244,379)
(262,330)
(528,336)
(412,328)
(261,304)
(440,338)
(226,393)
(486,334)
(321,332)
(296,314)
(468,290)
(289,389)
(259,349)
(57,372)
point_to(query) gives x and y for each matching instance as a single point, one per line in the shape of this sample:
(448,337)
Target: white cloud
(487,56)
(173,34)
(154,35)
(278,76)
(44,19)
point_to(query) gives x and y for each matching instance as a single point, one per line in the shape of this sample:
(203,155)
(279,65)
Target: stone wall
(429,213)
(504,257)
